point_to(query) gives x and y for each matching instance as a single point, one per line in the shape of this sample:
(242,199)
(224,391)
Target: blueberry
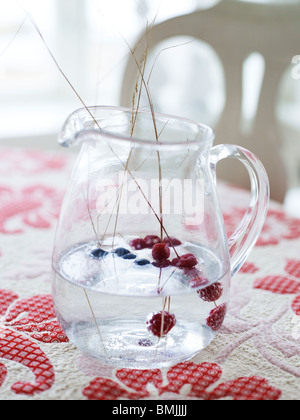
(98,253)
(121,252)
(142,262)
(129,257)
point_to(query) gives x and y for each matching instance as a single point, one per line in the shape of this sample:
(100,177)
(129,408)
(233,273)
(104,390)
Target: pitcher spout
(72,133)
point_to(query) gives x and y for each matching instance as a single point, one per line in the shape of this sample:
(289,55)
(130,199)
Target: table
(255,356)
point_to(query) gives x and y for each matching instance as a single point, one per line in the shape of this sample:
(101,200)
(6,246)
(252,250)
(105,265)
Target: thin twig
(14,36)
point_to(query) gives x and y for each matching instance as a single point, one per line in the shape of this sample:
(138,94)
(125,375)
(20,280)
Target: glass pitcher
(142,265)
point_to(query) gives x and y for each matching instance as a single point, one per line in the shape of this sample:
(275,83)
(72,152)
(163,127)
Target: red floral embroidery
(30,162)
(283,285)
(286,227)
(35,206)
(3,373)
(133,384)
(36,318)
(6,299)
(296,305)
(252,388)
(249,268)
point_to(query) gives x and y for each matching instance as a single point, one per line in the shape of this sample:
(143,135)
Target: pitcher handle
(243,240)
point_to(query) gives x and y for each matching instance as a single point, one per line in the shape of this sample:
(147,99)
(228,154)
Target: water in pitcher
(118,304)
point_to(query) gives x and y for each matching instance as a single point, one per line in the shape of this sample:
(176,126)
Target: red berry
(216,317)
(156,320)
(185,261)
(138,244)
(172,242)
(151,240)
(211,293)
(161,252)
(162,264)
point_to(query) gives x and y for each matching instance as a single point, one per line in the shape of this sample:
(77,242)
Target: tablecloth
(255,355)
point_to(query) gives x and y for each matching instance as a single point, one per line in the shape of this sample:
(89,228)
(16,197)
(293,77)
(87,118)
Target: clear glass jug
(141,264)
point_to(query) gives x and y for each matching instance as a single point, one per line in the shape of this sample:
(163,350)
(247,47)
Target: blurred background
(89,40)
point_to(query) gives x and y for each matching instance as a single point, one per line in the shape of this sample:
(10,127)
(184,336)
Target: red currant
(188,261)
(172,242)
(216,317)
(138,244)
(151,240)
(162,264)
(211,293)
(161,323)
(161,252)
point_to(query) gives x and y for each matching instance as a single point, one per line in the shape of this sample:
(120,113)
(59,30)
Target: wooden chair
(235,30)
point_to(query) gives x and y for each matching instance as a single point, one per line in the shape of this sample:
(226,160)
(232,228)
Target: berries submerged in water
(121,252)
(211,293)
(162,264)
(142,262)
(161,323)
(152,240)
(161,252)
(216,317)
(138,244)
(143,243)
(98,253)
(129,257)
(188,261)
(172,242)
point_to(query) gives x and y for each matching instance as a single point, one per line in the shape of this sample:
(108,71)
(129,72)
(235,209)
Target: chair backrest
(235,30)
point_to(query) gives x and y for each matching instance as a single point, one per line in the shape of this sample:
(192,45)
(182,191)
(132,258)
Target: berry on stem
(162,264)
(211,293)
(216,317)
(161,323)
(151,240)
(187,261)
(160,252)
(172,242)
(138,244)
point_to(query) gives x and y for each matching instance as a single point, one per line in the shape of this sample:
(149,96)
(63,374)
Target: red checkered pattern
(132,384)
(284,285)
(278,284)
(20,350)
(34,317)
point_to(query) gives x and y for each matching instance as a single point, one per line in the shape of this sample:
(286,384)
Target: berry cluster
(161,323)
(151,240)
(216,316)
(160,252)
(124,253)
